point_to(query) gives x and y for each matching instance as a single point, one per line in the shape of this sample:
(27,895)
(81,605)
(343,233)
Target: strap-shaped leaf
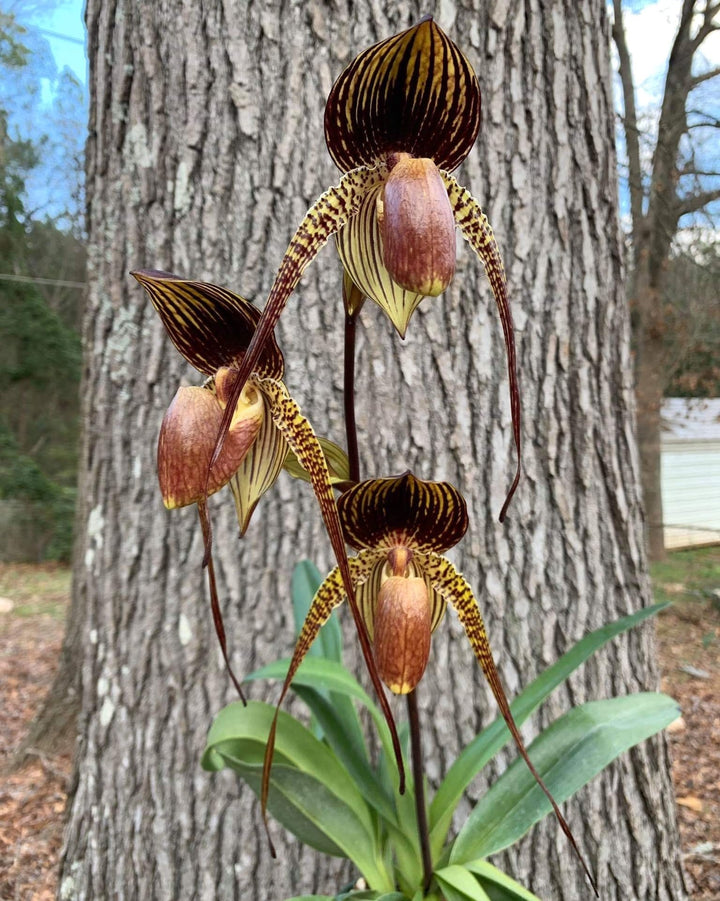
(570,752)
(420,515)
(458,882)
(310,794)
(360,249)
(501,884)
(474,756)
(476,230)
(456,591)
(209,325)
(326,216)
(414,92)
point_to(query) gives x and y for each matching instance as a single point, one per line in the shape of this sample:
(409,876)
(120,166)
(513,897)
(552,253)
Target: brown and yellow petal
(417,227)
(414,92)
(476,230)
(414,513)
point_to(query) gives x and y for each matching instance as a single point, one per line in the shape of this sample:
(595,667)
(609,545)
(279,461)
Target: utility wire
(62,37)
(60,283)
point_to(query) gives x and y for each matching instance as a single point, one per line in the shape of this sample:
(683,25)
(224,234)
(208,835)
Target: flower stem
(412,706)
(349,397)
(419,780)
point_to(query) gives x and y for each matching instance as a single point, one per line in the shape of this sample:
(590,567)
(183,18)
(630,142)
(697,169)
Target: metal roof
(690,419)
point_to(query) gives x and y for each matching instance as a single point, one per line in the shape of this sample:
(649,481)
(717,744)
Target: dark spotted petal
(448,582)
(330,212)
(422,516)
(303,441)
(210,326)
(328,596)
(414,92)
(476,230)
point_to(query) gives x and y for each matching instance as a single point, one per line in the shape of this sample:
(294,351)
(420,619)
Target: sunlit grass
(686,576)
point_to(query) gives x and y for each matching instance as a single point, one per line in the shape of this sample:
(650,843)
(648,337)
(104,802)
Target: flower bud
(417,227)
(187,441)
(401,632)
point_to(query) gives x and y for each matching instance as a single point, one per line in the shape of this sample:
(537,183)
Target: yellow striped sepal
(405,511)
(259,469)
(414,92)
(209,325)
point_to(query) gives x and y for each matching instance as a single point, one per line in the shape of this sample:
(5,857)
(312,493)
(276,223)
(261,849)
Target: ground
(33,600)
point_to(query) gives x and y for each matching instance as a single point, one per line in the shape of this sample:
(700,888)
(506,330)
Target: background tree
(681,182)
(39,320)
(206,142)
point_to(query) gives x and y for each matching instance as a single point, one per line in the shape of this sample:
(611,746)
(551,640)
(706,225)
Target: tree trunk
(651,375)
(206,148)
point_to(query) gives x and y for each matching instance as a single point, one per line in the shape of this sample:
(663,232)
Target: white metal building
(690,466)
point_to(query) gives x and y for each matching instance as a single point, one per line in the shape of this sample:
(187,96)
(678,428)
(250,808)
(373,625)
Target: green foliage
(325,789)
(41,360)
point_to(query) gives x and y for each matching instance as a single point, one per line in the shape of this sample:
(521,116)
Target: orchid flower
(400,118)
(212,328)
(401,527)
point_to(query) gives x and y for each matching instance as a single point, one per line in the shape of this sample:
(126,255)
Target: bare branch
(704,76)
(694,202)
(708,26)
(629,120)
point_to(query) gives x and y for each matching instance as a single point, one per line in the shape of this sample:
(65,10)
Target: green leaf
(319,673)
(353,758)
(370,896)
(568,754)
(499,885)
(474,757)
(458,883)
(310,793)
(311,898)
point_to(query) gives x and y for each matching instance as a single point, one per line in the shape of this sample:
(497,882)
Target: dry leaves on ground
(32,800)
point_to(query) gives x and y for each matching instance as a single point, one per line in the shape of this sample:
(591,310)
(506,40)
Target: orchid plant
(402,116)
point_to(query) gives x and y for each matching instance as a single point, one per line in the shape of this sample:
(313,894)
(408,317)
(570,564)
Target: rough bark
(206,148)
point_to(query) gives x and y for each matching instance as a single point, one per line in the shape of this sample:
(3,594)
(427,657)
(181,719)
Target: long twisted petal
(456,591)
(329,213)
(328,596)
(476,230)
(214,600)
(303,442)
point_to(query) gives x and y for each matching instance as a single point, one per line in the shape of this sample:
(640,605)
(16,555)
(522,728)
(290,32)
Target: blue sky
(649,25)
(66,19)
